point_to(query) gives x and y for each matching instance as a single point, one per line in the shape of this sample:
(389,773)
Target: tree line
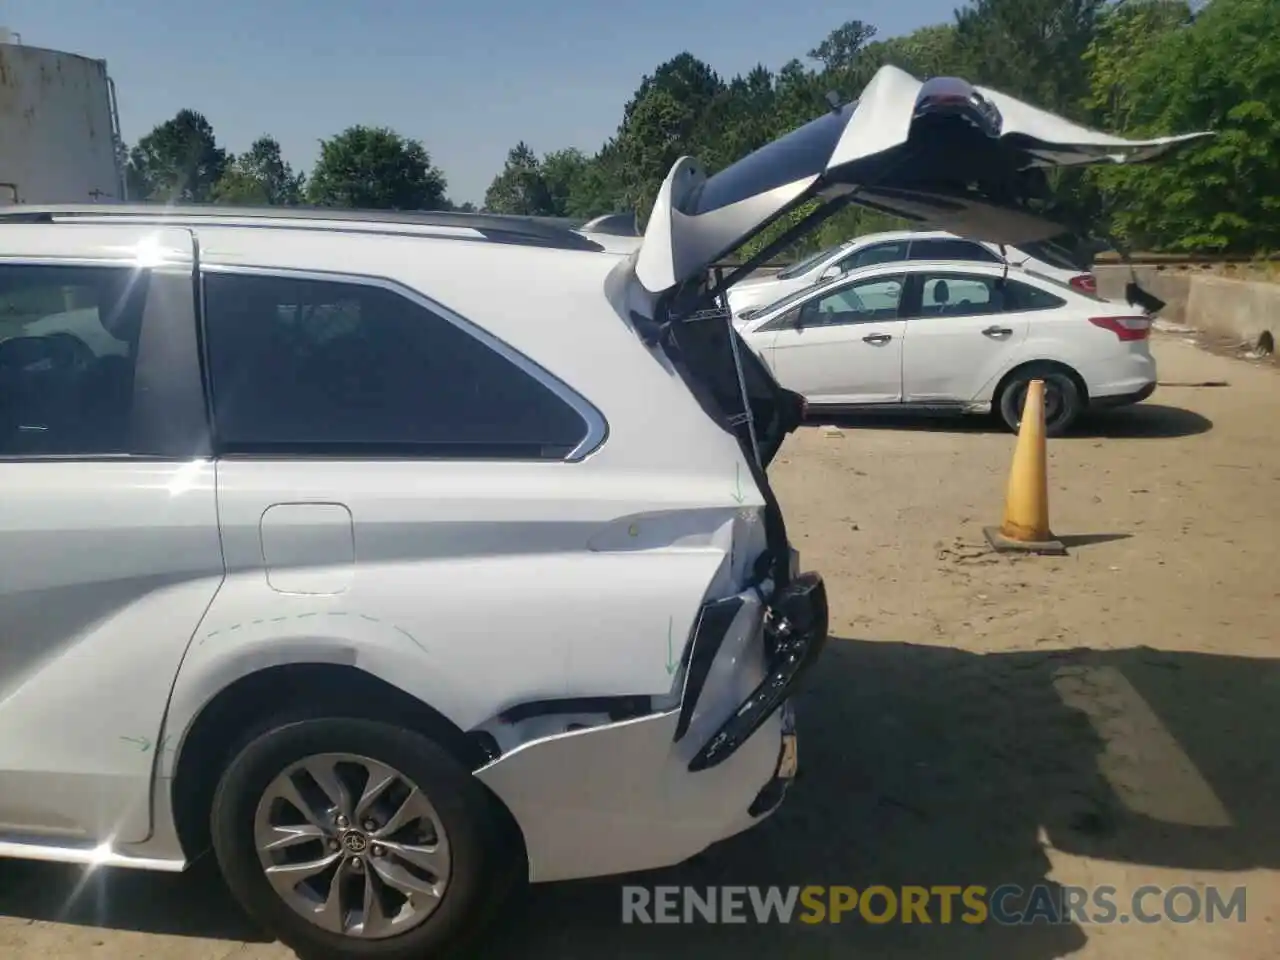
(362,167)
(1135,67)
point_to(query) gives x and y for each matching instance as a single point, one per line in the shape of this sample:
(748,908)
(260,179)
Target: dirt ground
(1111,717)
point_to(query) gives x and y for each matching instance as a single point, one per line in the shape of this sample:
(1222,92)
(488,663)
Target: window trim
(160,403)
(596,427)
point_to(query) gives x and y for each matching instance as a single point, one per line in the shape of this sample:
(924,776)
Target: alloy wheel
(352,845)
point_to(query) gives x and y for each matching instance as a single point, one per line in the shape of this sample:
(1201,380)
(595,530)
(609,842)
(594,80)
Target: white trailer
(59,127)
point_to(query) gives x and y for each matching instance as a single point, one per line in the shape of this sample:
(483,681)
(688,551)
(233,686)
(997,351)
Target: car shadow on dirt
(1143,421)
(920,766)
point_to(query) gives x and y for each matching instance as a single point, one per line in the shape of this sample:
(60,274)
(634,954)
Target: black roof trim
(529,231)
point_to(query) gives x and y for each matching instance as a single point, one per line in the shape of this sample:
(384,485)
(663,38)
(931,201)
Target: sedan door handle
(997,332)
(877,338)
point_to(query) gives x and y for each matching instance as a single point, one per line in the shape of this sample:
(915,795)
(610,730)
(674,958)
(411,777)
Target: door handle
(877,338)
(997,332)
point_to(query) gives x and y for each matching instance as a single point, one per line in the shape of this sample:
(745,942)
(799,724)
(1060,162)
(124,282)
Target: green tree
(377,169)
(260,177)
(1033,49)
(520,188)
(599,188)
(668,117)
(842,46)
(1220,72)
(178,161)
(562,173)
(927,52)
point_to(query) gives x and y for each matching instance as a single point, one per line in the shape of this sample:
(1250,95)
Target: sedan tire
(1062,400)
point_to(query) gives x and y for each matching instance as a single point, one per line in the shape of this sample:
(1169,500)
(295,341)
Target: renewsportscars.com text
(1007,904)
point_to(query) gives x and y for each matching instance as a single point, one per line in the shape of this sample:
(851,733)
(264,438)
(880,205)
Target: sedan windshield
(807,263)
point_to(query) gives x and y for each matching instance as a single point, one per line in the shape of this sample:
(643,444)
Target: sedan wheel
(1062,402)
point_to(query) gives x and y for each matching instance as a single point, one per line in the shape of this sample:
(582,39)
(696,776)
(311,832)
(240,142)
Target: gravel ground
(1111,717)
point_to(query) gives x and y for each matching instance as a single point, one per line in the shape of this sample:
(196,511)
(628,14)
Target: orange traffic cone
(1026,507)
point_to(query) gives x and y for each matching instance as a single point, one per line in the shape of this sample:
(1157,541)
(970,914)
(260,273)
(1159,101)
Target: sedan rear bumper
(1123,399)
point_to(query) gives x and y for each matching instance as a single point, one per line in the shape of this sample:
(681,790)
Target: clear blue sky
(469,79)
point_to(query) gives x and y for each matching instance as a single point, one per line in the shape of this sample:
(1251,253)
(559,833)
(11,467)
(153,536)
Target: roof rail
(615,224)
(529,231)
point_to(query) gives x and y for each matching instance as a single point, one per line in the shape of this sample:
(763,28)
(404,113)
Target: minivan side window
(320,367)
(68,351)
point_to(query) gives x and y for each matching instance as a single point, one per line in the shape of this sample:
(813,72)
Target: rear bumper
(1126,378)
(794,633)
(1123,399)
(658,789)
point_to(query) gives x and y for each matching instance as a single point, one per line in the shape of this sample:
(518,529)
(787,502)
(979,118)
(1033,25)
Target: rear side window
(1022,296)
(303,366)
(959,295)
(879,253)
(942,248)
(68,351)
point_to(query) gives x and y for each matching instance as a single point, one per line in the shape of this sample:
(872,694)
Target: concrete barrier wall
(1239,309)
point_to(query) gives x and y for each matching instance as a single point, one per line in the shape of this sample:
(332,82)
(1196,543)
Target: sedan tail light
(1085,283)
(1126,328)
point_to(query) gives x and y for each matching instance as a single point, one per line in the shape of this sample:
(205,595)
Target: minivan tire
(464,808)
(1063,400)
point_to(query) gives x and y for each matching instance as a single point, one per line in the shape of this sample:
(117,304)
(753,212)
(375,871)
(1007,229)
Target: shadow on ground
(1144,421)
(921,765)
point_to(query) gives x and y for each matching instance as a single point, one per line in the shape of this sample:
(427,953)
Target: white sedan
(954,337)
(1044,259)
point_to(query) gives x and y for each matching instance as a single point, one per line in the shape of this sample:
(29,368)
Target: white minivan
(394,592)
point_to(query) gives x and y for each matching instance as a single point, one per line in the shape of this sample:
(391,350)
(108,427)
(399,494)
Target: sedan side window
(943,248)
(879,253)
(865,302)
(1021,296)
(959,295)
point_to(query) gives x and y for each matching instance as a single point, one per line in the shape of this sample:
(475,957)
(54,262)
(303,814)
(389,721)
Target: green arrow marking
(672,663)
(737,482)
(142,743)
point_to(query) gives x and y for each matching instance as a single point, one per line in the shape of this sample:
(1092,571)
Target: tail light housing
(1085,283)
(1125,328)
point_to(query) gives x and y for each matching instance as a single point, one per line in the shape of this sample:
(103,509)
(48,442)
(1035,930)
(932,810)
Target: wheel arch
(1023,366)
(247,706)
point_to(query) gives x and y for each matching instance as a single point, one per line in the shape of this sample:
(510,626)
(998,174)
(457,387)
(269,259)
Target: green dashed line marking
(302,616)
